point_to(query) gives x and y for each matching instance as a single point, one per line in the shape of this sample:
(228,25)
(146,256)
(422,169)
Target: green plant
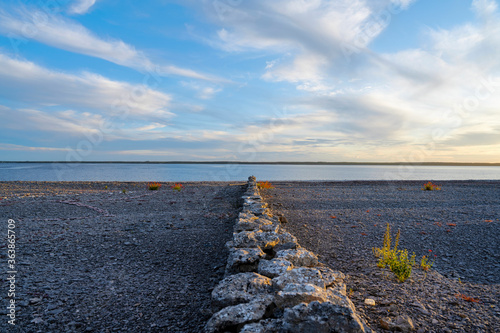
(401,265)
(425,264)
(177,187)
(265,185)
(397,260)
(431,187)
(154,186)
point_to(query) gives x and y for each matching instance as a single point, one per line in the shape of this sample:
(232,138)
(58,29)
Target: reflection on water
(236,172)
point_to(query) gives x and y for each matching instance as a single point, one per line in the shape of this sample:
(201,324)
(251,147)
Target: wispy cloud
(81,6)
(69,35)
(24,81)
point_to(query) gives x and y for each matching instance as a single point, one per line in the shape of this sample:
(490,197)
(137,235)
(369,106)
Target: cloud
(80,7)
(26,82)
(65,34)
(318,37)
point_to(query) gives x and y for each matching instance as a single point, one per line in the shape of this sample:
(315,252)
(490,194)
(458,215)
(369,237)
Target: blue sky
(297,80)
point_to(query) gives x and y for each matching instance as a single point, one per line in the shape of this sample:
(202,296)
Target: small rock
(370,302)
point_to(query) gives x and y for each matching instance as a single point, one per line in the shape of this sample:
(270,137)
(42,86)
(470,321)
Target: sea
(238,172)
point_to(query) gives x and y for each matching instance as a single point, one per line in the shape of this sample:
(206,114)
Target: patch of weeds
(154,186)
(425,264)
(265,185)
(177,187)
(397,260)
(431,187)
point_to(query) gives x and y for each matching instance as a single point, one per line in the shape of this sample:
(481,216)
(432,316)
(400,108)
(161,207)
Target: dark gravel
(343,221)
(91,259)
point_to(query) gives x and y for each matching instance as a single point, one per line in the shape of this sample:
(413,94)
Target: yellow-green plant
(397,260)
(425,264)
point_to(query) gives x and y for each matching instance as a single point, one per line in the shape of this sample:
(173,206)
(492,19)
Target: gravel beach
(460,224)
(91,258)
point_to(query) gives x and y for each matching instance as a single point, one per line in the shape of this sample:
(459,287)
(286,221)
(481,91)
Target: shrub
(397,260)
(265,185)
(154,186)
(177,187)
(431,187)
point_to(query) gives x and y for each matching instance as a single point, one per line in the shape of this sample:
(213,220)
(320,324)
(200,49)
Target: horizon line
(271,163)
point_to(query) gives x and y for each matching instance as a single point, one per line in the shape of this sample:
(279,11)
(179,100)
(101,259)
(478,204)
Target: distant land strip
(266,163)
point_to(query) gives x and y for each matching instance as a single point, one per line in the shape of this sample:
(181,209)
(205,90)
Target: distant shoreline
(266,163)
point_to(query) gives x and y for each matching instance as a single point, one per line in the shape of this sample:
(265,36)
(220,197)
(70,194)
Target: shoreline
(270,163)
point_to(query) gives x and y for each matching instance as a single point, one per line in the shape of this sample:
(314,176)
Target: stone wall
(272,284)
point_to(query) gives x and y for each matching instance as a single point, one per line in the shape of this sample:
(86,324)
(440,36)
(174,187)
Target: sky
(240,80)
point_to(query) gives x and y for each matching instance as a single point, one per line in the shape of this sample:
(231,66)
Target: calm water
(231,172)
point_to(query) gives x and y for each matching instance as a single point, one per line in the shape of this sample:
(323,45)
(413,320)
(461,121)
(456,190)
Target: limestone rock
(294,293)
(322,318)
(230,317)
(274,267)
(252,224)
(266,240)
(240,288)
(301,275)
(299,257)
(244,260)
(271,227)
(244,239)
(330,276)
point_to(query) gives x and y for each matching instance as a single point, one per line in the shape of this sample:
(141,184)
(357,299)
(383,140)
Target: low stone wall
(272,284)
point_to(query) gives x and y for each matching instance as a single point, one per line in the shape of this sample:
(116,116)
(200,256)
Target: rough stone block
(231,317)
(299,257)
(294,293)
(274,267)
(244,260)
(322,318)
(301,275)
(240,288)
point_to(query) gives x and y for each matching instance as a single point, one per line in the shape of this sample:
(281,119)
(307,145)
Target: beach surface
(457,226)
(90,258)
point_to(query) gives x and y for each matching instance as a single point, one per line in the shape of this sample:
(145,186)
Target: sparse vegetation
(397,260)
(154,186)
(431,187)
(177,187)
(265,185)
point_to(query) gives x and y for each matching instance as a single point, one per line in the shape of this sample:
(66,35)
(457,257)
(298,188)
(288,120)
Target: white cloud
(71,36)
(81,6)
(25,81)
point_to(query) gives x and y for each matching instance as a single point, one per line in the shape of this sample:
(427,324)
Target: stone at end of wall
(296,293)
(301,275)
(231,317)
(243,260)
(240,288)
(322,318)
(274,267)
(299,257)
